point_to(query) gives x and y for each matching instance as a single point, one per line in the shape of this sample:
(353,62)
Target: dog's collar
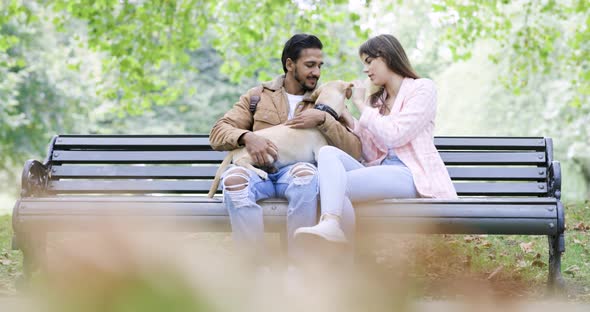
(327,109)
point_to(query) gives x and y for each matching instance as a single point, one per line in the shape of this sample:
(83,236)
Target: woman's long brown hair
(392,52)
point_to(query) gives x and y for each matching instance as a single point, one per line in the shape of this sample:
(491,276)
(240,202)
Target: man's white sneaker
(328,229)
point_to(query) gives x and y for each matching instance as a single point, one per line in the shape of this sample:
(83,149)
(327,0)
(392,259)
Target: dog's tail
(226,161)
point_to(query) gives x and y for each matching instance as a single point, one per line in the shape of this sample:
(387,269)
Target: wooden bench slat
(133,142)
(497,173)
(501,189)
(209,217)
(198,199)
(61,156)
(496,226)
(426,210)
(140,172)
(201,141)
(206,172)
(67,223)
(450,158)
(492,158)
(202,186)
(466,210)
(508,226)
(129,186)
(491,143)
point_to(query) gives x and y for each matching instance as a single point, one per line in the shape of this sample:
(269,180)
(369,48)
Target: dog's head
(333,94)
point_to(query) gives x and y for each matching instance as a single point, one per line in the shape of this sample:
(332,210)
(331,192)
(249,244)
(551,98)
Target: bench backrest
(186,164)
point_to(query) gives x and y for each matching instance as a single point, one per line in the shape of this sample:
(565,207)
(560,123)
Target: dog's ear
(348,91)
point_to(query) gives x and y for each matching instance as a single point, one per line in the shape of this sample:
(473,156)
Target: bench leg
(34,254)
(556,248)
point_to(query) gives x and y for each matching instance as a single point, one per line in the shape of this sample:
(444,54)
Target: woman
(399,159)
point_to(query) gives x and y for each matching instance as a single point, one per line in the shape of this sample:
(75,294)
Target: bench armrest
(34,178)
(554,179)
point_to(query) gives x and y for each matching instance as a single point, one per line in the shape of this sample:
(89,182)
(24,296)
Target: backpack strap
(255,98)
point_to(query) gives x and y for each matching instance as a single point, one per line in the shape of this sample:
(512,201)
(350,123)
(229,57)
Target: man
(286,98)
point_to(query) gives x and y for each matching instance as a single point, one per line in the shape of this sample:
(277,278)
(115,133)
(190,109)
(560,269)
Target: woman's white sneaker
(328,228)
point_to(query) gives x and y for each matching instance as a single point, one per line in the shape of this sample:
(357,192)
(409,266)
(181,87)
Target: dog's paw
(261,173)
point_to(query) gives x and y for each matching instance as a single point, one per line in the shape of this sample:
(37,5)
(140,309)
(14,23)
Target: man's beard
(302,82)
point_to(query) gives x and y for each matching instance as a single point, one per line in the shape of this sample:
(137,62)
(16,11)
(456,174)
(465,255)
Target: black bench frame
(507,185)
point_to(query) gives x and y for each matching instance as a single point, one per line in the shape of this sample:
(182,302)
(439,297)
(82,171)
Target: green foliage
(10,260)
(48,83)
(142,36)
(543,51)
(207,95)
(539,40)
(138,39)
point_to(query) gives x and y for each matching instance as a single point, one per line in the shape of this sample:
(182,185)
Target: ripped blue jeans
(297,183)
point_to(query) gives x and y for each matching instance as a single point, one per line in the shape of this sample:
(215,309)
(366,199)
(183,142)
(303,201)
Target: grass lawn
(514,266)
(10,260)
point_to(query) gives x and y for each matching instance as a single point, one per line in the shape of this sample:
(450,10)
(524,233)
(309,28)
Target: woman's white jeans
(344,180)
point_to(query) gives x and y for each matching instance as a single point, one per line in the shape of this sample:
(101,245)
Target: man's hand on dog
(307,119)
(260,149)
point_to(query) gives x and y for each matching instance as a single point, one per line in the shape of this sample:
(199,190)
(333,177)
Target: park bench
(506,185)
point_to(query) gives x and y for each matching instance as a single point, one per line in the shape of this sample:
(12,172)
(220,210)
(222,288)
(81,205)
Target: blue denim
(246,216)
(343,179)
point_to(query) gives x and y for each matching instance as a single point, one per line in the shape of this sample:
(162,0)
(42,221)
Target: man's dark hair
(296,44)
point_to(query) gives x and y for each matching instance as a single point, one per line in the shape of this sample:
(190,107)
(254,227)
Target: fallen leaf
(572,270)
(467,262)
(539,264)
(469,238)
(580,226)
(522,264)
(5,262)
(577,241)
(538,256)
(496,271)
(527,247)
(510,242)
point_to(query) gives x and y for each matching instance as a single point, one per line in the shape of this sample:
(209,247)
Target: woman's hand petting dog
(359,91)
(308,118)
(262,150)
